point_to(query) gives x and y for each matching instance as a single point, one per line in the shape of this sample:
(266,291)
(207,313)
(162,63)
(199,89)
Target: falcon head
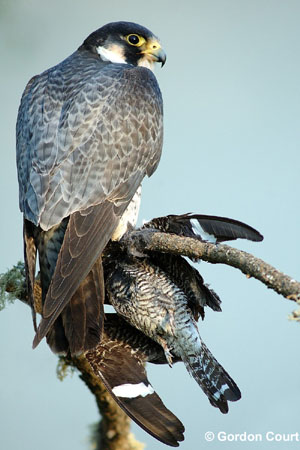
(126,43)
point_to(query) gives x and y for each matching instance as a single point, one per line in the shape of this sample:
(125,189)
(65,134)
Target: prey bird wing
(205,228)
(189,280)
(88,131)
(119,360)
(213,229)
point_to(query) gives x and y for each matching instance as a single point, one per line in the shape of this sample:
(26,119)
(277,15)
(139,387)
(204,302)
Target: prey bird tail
(215,382)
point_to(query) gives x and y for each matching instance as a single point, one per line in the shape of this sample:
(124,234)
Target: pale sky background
(232,108)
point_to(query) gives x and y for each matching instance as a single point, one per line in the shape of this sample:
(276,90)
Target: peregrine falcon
(88,131)
(119,360)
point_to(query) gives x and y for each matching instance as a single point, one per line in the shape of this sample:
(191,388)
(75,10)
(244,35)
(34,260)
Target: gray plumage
(150,300)
(88,132)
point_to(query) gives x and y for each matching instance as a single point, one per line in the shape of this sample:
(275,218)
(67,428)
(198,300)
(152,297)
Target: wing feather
(119,360)
(81,133)
(205,228)
(76,258)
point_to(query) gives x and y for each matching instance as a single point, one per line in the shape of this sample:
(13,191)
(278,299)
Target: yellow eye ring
(135,40)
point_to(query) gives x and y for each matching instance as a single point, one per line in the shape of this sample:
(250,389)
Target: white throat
(113,55)
(145,62)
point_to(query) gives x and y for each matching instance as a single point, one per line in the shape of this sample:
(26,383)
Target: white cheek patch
(114,54)
(133,390)
(198,230)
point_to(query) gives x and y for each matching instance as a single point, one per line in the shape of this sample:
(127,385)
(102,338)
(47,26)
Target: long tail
(212,378)
(80,324)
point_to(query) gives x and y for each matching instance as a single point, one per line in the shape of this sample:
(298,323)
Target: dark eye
(135,39)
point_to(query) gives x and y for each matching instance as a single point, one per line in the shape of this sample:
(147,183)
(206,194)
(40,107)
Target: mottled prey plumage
(88,131)
(162,296)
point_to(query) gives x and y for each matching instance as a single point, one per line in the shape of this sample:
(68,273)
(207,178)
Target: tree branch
(114,429)
(149,240)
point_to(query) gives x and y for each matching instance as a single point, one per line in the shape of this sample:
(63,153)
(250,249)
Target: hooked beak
(154,52)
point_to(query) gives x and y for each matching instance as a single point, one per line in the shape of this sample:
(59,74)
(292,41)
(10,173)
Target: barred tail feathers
(215,382)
